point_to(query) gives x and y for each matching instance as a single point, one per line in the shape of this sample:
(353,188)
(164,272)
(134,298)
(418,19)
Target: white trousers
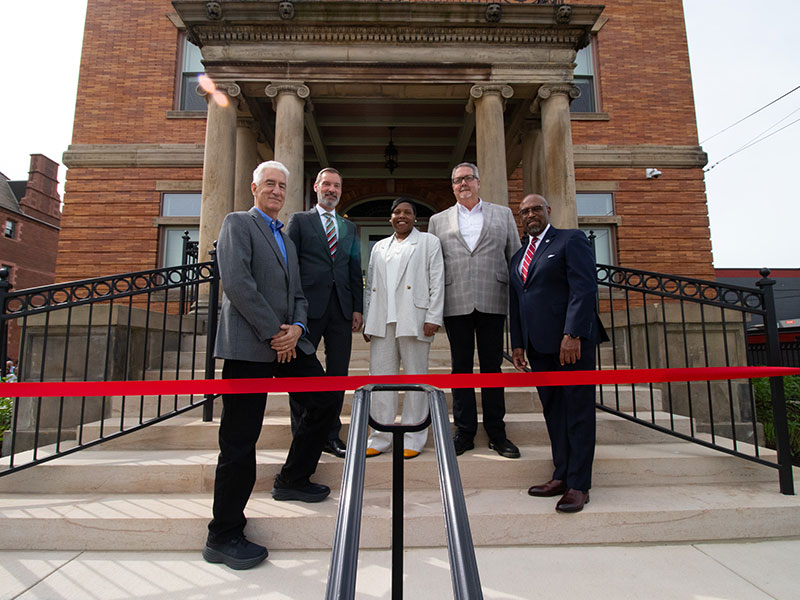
(385,356)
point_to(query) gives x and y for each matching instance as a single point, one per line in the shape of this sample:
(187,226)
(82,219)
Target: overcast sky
(743,56)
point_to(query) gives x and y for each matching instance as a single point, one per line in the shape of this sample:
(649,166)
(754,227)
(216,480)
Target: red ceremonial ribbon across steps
(324,384)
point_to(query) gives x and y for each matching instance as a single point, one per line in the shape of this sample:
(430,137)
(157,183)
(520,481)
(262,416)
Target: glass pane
(594,204)
(585,103)
(173,244)
(602,243)
(181,205)
(192,57)
(583,62)
(190,99)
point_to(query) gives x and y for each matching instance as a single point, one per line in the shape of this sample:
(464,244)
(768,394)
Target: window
(180,212)
(191,68)
(11,229)
(596,215)
(583,77)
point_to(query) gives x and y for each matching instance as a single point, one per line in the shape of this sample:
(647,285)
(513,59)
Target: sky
(743,56)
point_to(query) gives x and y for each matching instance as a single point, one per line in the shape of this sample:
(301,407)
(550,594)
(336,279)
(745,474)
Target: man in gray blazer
(261,333)
(330,269)
(478,241)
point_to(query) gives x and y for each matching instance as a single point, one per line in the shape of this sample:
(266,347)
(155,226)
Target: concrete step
(186,471)
(517,400)
(190,432)
(626,514)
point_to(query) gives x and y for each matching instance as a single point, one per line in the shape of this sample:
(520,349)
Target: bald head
(534,214)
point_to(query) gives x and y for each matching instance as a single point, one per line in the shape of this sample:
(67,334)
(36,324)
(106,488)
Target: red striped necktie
(330,233)
(526,261)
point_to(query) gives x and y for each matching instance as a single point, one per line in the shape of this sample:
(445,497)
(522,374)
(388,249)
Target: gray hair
(465,164)
(258,174)
(327,170)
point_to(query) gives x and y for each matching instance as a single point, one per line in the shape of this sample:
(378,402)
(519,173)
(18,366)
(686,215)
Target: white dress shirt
(395,255)
(324,219)
(538,239)
(470,223)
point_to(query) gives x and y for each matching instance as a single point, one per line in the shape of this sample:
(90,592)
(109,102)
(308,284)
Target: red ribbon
(324,384)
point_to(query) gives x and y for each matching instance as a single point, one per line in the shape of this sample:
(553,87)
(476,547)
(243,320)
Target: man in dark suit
(553,318)
(330,268)
(261,333)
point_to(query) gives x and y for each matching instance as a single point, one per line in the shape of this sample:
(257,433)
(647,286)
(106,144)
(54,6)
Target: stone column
(288,100)
(559,160)
(218,166)
(533,164)
(489,103)
(247,160)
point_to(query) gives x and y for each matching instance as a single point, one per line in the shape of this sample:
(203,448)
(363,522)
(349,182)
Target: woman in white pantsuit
(403,305)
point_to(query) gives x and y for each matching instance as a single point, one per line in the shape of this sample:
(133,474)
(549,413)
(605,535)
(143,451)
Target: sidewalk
(720,571)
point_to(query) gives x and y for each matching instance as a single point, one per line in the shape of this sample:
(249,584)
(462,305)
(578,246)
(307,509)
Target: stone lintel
(191,155)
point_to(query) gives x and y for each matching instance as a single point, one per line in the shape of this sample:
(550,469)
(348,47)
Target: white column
(489,101)
(558,154)
(218,167)
(246,161)
(533,165)
(288,100)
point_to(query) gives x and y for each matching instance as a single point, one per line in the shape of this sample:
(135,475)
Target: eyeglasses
(467,178)
(532,209)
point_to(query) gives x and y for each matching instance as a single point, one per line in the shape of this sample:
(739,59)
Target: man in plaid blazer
(478,241)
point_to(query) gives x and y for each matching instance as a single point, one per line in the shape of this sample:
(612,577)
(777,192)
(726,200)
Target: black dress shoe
(237,553)
(311,492)
(572,501)
(335,447)
(504,448)
(462,444)
(554,487)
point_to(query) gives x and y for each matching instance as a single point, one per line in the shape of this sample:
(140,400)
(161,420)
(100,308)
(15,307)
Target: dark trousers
(462,331)
(239,428)
(337,330)
(569,412)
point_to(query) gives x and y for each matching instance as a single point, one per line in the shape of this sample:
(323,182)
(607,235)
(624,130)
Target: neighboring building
(30,212)
(333,82)
(786,291)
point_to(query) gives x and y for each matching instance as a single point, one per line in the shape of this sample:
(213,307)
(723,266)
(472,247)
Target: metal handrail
(344,551)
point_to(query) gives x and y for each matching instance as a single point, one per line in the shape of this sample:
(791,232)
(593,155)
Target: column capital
(230,89)
(279,88)
(548,90)
(480,90)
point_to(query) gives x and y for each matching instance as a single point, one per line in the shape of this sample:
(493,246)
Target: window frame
(173,222)
(178,103)
(14,233)
(608,222)
(593,79)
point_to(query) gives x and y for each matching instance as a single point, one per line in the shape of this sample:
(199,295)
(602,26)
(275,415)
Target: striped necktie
(526,262)
(330,233)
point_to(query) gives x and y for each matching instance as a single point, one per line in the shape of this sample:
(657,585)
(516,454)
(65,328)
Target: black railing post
(211,332)
(398,499)
(5,286)
(184,262)
(779,420)
(592,238)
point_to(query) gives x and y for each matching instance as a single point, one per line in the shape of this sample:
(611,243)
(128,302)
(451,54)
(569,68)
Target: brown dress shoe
(572,501)
(554,487)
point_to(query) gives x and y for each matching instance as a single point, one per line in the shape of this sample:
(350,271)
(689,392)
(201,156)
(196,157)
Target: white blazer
(419,291)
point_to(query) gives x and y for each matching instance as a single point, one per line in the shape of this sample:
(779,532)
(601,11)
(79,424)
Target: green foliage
(763,399)
(5,415)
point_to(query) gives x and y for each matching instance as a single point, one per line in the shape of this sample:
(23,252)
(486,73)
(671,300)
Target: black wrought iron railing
(344,551)
(663,321)
(135,326)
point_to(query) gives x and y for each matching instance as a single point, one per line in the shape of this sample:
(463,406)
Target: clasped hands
(285,341)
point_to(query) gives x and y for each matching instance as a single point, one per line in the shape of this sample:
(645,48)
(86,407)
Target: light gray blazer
(419,292)
(261,290)
(476,280)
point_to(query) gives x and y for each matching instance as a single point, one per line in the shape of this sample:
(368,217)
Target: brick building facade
(323,86)
(30,212)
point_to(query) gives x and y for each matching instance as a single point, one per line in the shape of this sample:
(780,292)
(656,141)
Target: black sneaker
(462,444)
(237,553)
(311,492)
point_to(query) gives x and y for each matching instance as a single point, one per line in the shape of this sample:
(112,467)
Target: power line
(751,114)
(750,145)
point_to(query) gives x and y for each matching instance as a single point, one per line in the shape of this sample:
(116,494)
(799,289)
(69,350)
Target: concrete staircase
(152,490)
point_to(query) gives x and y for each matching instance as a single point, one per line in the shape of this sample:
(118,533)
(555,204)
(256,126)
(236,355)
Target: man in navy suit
(553,318)
(329,252)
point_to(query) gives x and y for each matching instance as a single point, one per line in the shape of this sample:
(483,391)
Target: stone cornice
(191,155)
(353,21)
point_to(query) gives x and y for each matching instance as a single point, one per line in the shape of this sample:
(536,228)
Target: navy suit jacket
(319,272)
(558,296)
